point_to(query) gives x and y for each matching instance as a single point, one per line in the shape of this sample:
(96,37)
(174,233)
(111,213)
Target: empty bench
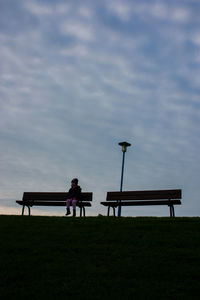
(52,199)
(143,198)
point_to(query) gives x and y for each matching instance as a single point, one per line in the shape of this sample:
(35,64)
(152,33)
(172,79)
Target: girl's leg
(68,201)
(74,201)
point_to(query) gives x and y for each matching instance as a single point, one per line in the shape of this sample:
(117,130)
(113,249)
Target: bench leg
(23,210)
(108,214)
(82,211)
(113,211)
(29,210)
(172,212)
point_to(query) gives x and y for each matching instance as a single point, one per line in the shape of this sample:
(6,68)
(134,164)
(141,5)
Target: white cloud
(121,8)
(196,38)
(180,14)
(159,10)
(165,11)
(62,8)
(155,9)
(38,9)
(86,12)
(78,50)
(78,30)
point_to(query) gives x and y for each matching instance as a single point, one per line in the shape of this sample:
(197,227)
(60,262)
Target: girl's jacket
(74,192)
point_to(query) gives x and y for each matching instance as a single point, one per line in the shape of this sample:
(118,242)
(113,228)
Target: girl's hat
(75,180)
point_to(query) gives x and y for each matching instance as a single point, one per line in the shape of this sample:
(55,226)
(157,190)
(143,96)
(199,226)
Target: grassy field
(99,258)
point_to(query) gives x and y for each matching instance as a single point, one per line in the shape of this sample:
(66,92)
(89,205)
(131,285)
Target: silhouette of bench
(52,199)
(143,198)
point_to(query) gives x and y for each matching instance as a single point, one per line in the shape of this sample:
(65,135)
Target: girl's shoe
(68,212)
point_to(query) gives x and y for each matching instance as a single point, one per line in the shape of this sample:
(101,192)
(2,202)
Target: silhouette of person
(73,197)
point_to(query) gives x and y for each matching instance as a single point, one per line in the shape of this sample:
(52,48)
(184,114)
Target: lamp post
(124,145)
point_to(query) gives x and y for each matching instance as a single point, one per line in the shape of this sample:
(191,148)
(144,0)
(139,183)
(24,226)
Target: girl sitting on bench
(73,196)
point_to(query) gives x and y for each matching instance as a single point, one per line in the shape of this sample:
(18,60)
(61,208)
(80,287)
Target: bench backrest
(53,196)
(144,195)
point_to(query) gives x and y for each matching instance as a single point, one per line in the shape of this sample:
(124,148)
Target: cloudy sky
(77,77)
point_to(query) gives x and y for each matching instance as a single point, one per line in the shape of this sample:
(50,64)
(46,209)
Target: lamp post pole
(124,145)
(122,171)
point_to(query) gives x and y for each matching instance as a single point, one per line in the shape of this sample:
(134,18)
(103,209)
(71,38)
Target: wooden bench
(142,198)
(52,199)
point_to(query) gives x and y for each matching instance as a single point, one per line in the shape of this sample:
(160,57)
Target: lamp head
(124,145)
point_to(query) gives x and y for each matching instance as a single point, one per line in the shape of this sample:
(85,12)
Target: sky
(77,78)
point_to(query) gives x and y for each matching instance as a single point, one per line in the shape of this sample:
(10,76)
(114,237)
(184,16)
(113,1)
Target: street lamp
(124,145)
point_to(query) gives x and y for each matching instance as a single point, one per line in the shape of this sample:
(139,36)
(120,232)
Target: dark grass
(99,258)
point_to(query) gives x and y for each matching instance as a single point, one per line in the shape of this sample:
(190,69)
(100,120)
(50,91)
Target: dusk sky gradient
(78,77)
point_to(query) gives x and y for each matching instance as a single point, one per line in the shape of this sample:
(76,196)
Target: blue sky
(77,77)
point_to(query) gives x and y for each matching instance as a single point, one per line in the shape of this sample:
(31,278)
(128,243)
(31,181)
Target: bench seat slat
(141,203)
(144,195)
(53,196)
(50,203)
